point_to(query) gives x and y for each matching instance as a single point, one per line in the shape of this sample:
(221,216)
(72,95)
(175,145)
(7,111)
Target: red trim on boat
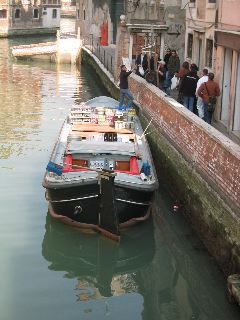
(134,170)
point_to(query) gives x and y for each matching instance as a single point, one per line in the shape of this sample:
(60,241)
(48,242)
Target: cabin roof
(101,147)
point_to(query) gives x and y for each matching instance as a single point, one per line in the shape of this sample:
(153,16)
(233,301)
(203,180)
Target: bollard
(108,217)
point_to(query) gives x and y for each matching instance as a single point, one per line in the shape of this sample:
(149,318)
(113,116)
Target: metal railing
(105,54)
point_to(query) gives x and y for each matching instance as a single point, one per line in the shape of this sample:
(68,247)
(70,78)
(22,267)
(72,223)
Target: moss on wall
(212,220)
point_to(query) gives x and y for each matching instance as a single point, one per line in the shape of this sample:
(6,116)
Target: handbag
(141,70)
(212,100)
(174,82)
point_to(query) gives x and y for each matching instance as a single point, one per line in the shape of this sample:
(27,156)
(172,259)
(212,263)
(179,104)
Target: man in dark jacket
(173,67)
(142,62)
(124,91)
(173,64)
(188,87)
(167,56)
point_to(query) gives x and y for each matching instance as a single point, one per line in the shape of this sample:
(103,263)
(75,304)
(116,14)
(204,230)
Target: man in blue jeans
(188,87)
(124,91)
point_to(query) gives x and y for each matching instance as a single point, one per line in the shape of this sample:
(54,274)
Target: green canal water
(160,270)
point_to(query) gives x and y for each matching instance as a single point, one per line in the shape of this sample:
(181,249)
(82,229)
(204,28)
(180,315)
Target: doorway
(198,53)
(236,114)
(227,73)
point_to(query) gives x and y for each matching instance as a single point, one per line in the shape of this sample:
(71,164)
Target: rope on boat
(143,134)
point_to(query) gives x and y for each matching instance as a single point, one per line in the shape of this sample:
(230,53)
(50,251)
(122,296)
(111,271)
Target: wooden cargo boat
(101,174)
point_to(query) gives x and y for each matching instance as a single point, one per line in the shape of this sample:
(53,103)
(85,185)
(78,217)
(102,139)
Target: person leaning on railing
(209,91)
(124,91)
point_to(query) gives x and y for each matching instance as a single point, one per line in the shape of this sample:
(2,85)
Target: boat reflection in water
(102,267)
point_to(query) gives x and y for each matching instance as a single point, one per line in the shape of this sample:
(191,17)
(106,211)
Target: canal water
(160,270)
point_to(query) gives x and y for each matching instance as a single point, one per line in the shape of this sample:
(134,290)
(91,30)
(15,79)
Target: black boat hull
(79,205)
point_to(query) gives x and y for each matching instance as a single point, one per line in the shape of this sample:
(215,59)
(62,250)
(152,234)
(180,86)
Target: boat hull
(79,205)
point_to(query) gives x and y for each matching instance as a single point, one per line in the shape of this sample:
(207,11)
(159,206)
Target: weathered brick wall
(208,151)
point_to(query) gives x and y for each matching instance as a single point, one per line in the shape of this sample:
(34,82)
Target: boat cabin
(101,140)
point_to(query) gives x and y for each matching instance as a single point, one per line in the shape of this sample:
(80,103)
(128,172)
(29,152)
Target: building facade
(148,21)
(227,67)
(98,19)
(150,24)
(68,8)
(23,17)
(199,38)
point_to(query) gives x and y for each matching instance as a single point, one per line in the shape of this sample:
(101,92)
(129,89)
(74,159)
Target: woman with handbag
(209,91)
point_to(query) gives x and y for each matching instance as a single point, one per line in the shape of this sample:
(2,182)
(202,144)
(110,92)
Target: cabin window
(122,165)
(54,13)
(3,14)
(17,13)
(35,13)
(78,163)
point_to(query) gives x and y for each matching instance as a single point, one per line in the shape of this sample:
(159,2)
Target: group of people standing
(193,91)
(201,92)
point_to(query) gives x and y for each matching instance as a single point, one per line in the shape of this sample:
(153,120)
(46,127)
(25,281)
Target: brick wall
(209,152)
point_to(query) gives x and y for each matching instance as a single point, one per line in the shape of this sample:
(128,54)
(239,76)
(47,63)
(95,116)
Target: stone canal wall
(198,165)
(104,75)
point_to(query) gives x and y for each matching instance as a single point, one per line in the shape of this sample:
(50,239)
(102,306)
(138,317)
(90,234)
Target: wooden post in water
(108,218)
